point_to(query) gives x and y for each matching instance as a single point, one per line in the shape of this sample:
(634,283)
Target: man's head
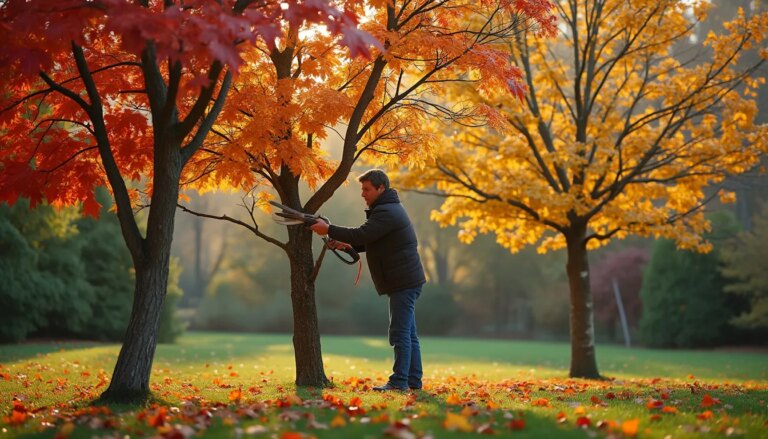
(374,183)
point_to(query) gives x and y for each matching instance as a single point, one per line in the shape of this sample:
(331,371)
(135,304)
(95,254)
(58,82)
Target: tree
(744,267)
(294,93)
(201,249)
(683,299)
(109,270)
(64,275)
(112,90)
(684,302)
(616,137)
(49,292)
(24,307)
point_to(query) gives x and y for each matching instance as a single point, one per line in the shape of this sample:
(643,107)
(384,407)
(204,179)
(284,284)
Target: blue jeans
(402,335)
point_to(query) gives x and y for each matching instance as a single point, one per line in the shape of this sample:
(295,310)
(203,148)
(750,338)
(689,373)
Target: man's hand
(338,245)
(320,227)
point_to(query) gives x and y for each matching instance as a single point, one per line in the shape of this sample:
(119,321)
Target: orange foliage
(290,98)
(708,401)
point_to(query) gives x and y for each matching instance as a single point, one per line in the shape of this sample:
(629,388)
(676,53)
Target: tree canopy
(617,136)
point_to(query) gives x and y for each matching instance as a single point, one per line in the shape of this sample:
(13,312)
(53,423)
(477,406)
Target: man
(389,240)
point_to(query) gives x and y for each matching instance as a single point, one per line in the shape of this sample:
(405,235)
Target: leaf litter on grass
(59,401)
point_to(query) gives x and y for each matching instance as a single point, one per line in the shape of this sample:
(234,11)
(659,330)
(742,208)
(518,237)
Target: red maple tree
(123,93)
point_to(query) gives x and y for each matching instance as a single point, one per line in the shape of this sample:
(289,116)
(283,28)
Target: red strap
(359,270)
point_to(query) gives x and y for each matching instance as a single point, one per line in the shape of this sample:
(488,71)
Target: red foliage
(626,266)
(52,121)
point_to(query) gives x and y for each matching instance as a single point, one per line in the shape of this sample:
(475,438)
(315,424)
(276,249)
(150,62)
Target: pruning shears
(291,217)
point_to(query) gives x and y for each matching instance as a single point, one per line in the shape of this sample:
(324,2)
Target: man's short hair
(377,177)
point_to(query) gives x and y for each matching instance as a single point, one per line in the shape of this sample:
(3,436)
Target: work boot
(388,386)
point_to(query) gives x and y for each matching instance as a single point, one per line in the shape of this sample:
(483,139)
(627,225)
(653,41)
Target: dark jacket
(389,240)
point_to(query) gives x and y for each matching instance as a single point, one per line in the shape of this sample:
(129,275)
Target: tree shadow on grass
(38,349)
(612,360)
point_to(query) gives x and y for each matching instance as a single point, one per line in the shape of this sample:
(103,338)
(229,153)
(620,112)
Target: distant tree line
(672,298)
(67,276)
(684,299)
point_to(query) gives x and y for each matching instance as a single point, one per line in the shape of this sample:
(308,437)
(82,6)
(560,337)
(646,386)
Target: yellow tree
(290,97)
(618,136)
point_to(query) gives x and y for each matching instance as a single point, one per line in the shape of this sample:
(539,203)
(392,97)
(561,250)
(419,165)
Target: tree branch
(254,229)
(207,123)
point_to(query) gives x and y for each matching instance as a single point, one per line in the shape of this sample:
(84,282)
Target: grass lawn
(238,385)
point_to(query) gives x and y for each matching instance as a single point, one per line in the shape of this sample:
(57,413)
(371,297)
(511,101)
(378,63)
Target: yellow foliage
(288,101)
(616,134)
(455,422)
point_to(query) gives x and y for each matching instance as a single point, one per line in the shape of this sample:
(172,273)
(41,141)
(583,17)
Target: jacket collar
(389,196)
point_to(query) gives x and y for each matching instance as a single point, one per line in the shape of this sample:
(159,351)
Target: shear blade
(286,222)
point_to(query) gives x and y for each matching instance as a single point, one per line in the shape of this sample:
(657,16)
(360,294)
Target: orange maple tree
(291,96)
(110,92)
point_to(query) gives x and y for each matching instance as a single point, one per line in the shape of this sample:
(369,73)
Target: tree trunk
(583,361)
(306,331)
(441,266)
(130,379)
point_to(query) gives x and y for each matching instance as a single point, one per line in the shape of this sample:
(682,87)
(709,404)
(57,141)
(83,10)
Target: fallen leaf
(453,399)
(630,427)
(541,402)
(654,404)
(16,418)
(609,424)
(517,424)
(709,401)
(356,402)
(294,399)
(158,419)
(380,419)
(338,421)
(236,394)
(455,422)
(705,415)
